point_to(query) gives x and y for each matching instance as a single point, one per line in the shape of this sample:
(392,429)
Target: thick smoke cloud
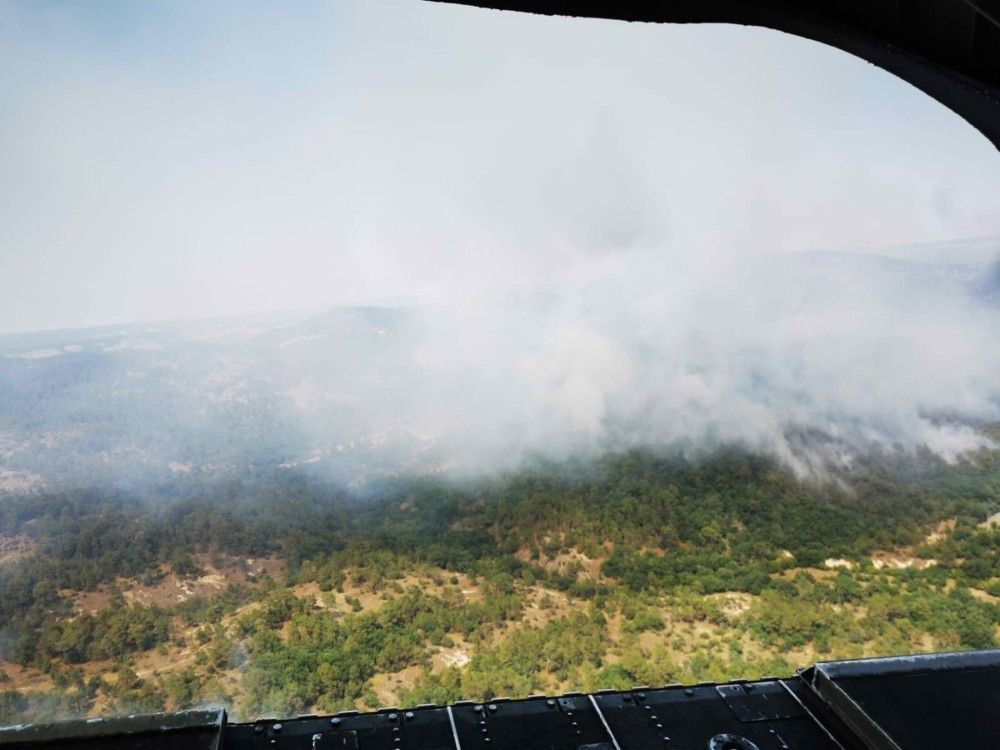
(815,358)
(183,161)
(568,237)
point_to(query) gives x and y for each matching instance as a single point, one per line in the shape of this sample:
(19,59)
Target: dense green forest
(635,569)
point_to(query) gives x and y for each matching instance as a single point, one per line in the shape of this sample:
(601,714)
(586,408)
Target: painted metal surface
(915,702)
(910,703)
(197,730)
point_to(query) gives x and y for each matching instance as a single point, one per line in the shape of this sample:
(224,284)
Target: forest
(277,594)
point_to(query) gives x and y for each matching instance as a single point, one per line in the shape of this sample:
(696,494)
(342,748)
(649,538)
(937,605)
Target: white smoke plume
(811,357)
(593,223)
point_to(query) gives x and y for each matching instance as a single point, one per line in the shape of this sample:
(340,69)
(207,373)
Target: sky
(180,159)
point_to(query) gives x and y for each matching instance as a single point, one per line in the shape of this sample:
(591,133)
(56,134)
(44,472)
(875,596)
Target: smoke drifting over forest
(811,357)
(815,358)
(520,238)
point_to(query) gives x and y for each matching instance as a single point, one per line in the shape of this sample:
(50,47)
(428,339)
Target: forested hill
(276,593)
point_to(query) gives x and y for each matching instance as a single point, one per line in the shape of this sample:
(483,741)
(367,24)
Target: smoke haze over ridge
(591,225)
(184,161)
(814,358)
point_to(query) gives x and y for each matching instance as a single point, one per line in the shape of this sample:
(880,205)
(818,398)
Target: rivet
(484,730)
(652,717)
(486,739)
(408,715)
(688,692)
(392,717)
(276,728)
(492,707)
(574,724)
(666,739)
(477,709)
(395,739)
(659,726)
(258,729)
(641,696)
(335,721)
(550,703)
(395,730)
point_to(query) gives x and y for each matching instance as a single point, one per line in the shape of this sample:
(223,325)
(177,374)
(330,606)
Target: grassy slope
(644,571)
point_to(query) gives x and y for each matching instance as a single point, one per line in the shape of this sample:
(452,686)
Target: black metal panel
(566,723)
(424,728)
(760,701)
(690,717)
(197,730)
(916,702)
(188,740)
(906,703)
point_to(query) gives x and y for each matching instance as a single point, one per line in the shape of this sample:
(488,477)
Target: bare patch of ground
(16,480)
(456,656)
(15,547)
(733,603)
(991,522)
(838,562)
(984,596)
(388,686)
(23,678)
(943,530)
(172,589)
(900,561)
(566,563)
(544,605)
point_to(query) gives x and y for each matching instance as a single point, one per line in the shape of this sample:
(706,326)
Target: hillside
(808,357)
(277,597)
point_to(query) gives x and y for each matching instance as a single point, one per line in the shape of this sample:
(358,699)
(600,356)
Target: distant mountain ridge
(359,393)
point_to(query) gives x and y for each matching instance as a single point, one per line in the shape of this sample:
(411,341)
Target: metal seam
(983,13)
(607,727)
(811,715)
(454,729)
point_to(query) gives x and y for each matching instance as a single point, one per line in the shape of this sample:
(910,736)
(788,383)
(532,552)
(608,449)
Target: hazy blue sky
(162,160)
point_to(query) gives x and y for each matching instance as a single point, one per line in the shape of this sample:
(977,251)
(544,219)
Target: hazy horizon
(817,359)
(632,234)
(909,252)
(179,161)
